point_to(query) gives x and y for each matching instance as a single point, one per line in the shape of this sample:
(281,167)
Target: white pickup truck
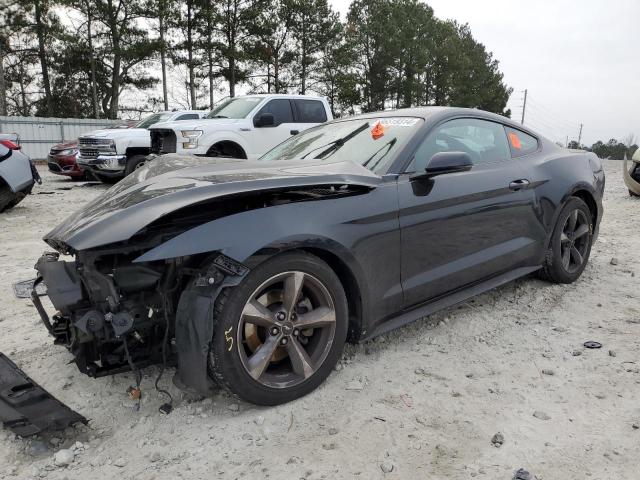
(113,153)
(241,127)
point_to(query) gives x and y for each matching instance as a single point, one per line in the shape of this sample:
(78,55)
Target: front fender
(241,235)
(16,172)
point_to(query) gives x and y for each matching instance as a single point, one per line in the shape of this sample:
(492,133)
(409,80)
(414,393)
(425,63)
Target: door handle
(294,132)
(519,184)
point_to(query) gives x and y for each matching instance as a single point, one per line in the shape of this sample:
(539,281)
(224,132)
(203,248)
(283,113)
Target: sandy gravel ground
(421,402)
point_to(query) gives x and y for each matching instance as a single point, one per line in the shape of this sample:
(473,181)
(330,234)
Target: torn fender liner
(28,409)
(194,330)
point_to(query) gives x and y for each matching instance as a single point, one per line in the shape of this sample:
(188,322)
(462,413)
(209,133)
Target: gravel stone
(386,466)
(497,440)
(541,415)
(63,457)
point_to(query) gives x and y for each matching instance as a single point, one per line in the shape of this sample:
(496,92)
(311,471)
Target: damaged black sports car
(252,275)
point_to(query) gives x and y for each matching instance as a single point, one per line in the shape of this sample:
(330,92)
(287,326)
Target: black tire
(225,357)
(8,199)
(555,268)
(134,162)
(225,150)
(106,179)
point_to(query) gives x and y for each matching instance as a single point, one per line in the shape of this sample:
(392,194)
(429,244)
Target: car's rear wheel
(570,243)
(280,332)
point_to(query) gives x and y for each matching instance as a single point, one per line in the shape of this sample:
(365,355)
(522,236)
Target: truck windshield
(235,108)
(371,142)
(153,119)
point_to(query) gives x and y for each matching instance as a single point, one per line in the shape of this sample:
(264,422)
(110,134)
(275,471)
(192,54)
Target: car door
(460,228)
(263,139)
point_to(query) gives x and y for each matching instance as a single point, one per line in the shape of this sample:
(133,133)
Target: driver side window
(281,110)
(484,141)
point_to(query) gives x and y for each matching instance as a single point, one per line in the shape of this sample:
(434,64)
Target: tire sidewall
(133,162)
(557,270)
(225,362)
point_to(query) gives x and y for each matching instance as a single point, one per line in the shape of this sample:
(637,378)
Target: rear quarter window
(311,111)
(521,143)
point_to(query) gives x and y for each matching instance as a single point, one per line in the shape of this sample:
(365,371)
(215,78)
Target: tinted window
(521,143)
(310,111)
(188,116)
(281,110)
(484,141)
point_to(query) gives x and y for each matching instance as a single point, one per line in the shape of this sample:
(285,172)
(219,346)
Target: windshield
(153,119)
(371,142)
(235,108)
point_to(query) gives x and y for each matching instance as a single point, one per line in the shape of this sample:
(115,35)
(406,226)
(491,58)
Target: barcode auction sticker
(399,121)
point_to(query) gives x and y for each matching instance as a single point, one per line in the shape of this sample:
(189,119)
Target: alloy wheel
(286,329)
(574,240)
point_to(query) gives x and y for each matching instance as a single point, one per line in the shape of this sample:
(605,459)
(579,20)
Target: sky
(578,60)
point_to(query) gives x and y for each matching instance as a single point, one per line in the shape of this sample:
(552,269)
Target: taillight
(10,145)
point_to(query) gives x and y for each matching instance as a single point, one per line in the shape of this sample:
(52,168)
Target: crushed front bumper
(26,408)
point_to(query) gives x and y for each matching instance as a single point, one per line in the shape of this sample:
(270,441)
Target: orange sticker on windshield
(514,140)
(377,131)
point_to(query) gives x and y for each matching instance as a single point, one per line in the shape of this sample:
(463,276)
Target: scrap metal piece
(23,289)
(26,408)
(592,344)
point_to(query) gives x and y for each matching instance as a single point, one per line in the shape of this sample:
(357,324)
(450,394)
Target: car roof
(283,95)
(434,114)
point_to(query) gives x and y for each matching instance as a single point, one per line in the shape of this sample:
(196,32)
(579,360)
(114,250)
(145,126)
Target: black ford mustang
(253,274)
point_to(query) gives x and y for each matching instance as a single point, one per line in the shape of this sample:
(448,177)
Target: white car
(241,127)
(113,153)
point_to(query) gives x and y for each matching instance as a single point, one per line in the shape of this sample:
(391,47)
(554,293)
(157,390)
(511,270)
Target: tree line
(613,149)
(105,58)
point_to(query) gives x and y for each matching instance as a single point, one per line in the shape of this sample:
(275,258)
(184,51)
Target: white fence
(39,134)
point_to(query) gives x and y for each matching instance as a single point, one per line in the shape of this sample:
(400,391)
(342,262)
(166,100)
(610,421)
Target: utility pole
(3,91)
(580,136)
(524,105)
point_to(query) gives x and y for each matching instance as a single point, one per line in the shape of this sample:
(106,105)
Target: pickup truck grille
(88,152)
(163,141)
(94,141)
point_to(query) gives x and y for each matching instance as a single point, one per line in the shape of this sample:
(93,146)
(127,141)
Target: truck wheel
(226,150)
(134,163)
(105,179)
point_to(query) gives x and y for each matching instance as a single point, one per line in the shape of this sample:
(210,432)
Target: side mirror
(447,162)
(264,120)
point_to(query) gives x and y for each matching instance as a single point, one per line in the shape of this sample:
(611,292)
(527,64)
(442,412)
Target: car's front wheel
(570,243)
(134,163)
(280,332)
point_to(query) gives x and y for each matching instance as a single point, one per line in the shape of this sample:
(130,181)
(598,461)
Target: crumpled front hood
(174,181)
